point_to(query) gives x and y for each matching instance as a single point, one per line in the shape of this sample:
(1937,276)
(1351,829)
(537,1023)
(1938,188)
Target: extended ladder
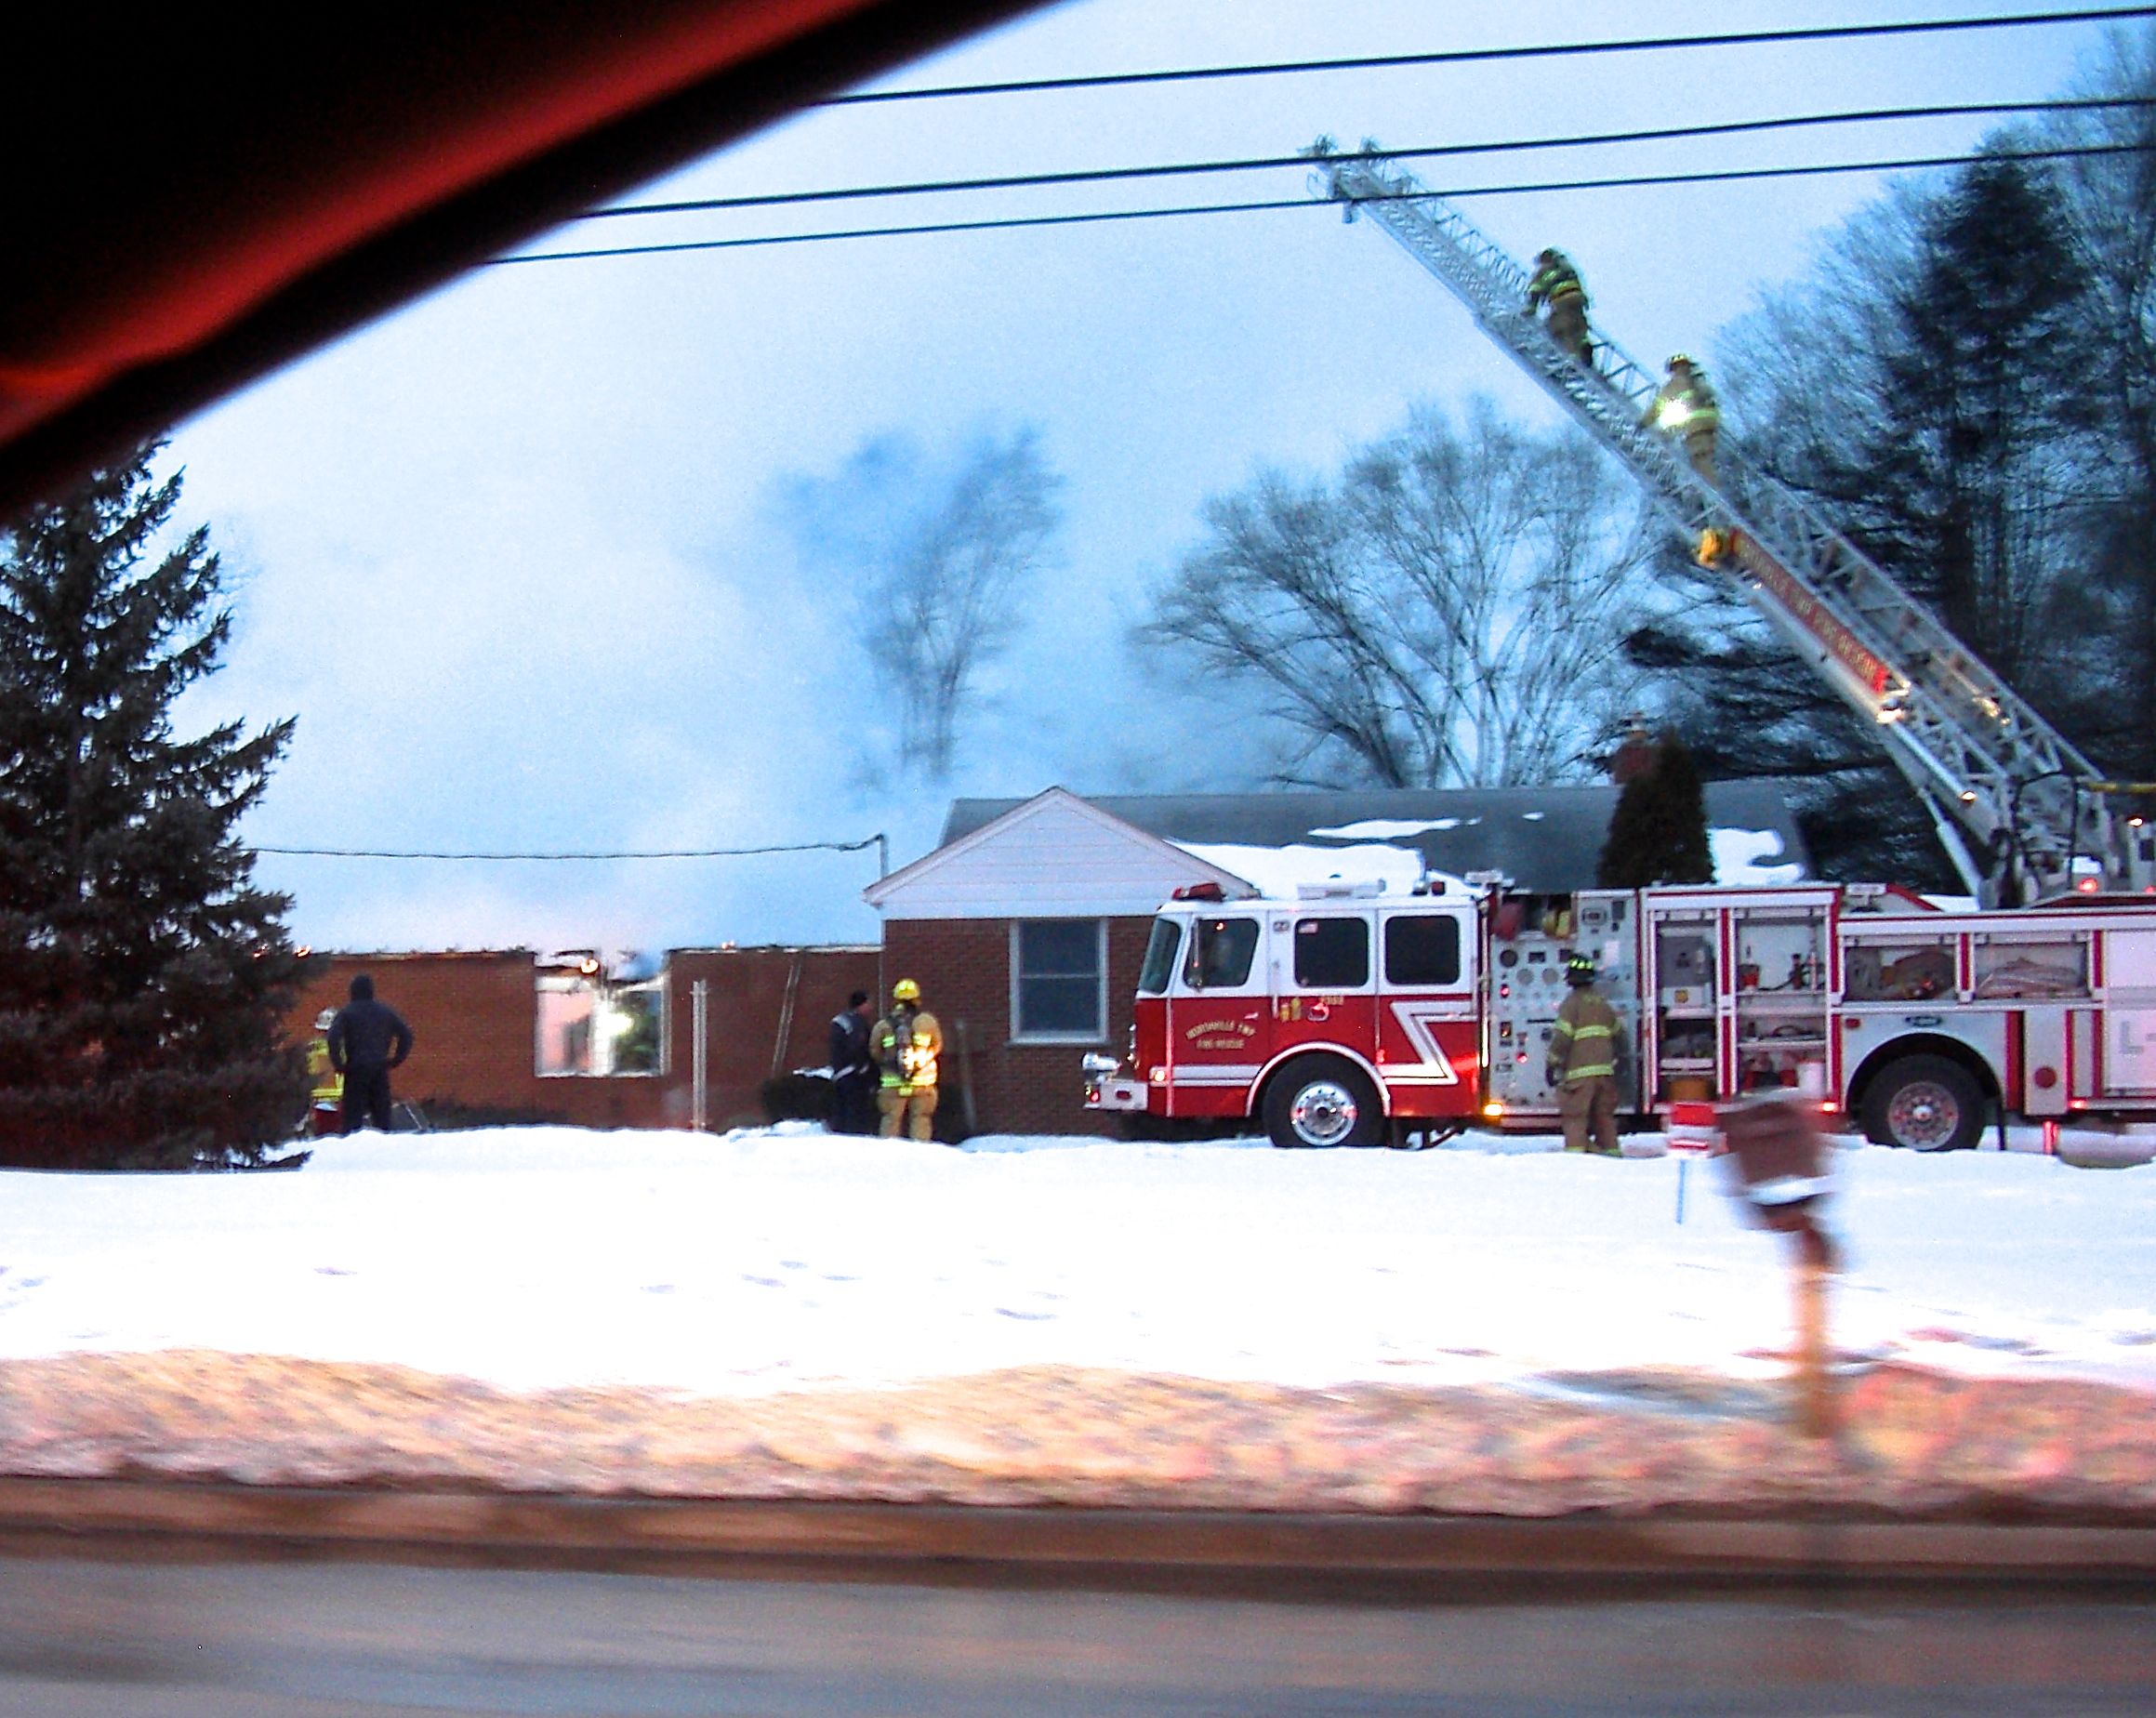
(2015,803)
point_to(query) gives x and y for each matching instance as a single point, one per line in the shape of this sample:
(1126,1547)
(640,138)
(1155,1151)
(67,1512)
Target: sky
(523,557)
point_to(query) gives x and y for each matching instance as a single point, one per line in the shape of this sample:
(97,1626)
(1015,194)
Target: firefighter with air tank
(907,1044)
(1585,1046)
(1685,407)
(1556,284)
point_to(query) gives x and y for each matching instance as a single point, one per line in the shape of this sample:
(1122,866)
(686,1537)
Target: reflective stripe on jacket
(907,1045)
(1583,1042)
(1558,280)
(328,1082)
(1684,408)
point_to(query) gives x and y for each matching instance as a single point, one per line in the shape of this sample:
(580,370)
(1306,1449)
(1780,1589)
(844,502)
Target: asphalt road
(115,1638)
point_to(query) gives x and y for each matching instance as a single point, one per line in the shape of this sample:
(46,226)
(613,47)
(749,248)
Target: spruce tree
(142,975)
(1659,832)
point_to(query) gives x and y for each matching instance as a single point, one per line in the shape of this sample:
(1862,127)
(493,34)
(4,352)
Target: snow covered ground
(781,1260)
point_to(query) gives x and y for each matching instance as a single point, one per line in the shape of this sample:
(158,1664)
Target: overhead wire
(1468,55)
(682,852)
(1597,139)
(1457,193)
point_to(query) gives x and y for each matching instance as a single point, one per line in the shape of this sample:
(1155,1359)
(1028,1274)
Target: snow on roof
(1276,873)
(1390,828)
(1738,853)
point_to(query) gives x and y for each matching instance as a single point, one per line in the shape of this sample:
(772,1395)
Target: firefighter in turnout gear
(1686,408)
(326,1103)
(1556,284)
(1584,1047)
(907,1045)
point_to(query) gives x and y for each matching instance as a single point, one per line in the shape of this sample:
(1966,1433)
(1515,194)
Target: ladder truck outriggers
(1346,1016)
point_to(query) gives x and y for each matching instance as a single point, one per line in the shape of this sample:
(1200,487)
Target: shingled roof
(1543,839)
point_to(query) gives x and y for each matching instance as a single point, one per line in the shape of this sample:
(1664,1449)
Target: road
(115,1638)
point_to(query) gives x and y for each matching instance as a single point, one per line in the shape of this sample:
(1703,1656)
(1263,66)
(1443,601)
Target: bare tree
(1451,612)
(939,561)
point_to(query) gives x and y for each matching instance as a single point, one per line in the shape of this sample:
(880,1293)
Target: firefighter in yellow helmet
(1584,1049)
(1686,408)
(1556,284)
(907,1044)
(326,1103)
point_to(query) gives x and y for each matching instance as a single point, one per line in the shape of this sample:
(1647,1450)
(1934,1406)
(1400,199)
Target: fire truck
(1351,1016)
(1346,1016)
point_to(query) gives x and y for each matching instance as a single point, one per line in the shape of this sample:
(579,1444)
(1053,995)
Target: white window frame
(1099,1033)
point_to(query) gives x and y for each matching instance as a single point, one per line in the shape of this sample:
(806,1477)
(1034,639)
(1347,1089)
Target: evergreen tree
(1659,832)
(1967,481)
(142,975)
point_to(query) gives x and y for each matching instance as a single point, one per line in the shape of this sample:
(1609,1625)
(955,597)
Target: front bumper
(1108,1087)
(1115,1092)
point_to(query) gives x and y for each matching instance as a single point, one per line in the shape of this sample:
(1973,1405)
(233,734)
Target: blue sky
(516,559)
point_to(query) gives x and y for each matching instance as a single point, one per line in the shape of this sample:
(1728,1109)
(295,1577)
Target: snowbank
(785,1313)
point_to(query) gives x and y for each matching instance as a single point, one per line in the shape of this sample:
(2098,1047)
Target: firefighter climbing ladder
(2013,802)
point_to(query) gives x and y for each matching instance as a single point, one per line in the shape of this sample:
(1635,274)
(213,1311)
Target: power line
(1466,55)
(1659,134)
(1720,176)
(697,852)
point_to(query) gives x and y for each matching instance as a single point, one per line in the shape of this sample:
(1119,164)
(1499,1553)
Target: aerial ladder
(2021,814)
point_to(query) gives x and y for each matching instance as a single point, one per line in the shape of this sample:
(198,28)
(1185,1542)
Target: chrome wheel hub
(1323,1113)
(1924,1117)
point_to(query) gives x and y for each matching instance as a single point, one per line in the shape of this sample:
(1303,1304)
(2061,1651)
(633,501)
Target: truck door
(1219,1017)
(1324,981)
(1429,1032)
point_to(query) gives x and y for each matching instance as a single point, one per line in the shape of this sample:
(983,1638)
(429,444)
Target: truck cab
(1337,1018)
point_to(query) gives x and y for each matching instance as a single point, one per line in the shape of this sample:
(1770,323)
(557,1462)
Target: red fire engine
(1348,1016)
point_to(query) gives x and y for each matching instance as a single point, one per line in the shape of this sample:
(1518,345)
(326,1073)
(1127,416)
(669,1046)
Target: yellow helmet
(905,990)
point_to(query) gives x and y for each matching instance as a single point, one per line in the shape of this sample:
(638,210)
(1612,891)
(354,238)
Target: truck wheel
(1322,1100)
(1925,1103)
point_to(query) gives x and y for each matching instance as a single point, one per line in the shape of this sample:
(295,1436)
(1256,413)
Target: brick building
(505,1034)
(1026,926)
(1025,933)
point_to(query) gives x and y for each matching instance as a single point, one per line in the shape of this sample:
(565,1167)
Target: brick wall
(472,1016)
(963,967)
(475,1020)
(751,992)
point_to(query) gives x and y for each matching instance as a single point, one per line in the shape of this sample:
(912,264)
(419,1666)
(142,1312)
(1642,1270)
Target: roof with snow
(1543,839)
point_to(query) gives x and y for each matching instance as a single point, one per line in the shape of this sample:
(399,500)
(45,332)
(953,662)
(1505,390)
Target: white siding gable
(1052,857)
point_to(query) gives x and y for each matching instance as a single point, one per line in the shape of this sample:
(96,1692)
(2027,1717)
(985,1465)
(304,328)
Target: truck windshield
(1159,956)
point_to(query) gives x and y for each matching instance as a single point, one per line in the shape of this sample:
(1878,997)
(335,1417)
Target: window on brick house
(591,1026)
(1059,979)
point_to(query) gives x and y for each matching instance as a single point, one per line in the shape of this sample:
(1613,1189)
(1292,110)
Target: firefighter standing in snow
(326,1102)
(907,1044)
(1556,284)
(1582,1062)
(1686,408)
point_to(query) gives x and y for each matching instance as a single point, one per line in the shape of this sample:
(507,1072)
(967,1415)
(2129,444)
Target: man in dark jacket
(366,1040)
(853,1074)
